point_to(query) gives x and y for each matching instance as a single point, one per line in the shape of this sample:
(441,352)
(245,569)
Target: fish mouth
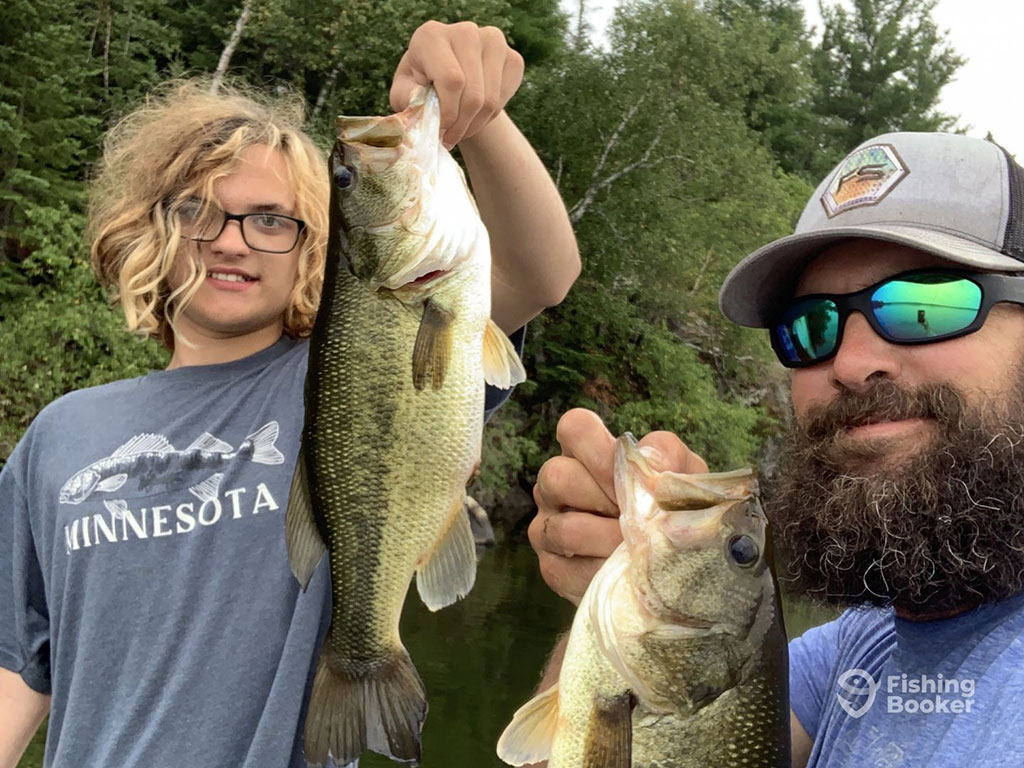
(629,455)
(429,277)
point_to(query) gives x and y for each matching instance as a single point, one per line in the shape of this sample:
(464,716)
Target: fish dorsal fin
(208,489)
(111,483)
(502,366)
(528,738)
(209,443)
(433,347)
(145,443)
(305,545)
(448,573)
(609,739)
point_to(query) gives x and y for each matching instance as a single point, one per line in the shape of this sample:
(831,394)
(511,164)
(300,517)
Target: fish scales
(379,457)
(400,352)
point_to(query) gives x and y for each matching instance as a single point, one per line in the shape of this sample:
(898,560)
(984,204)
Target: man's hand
(577,525)
(473,69)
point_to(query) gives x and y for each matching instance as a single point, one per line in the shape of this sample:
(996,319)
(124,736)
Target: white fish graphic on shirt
(205,491)
(149,456)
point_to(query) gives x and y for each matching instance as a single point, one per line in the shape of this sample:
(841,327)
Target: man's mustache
(884,401)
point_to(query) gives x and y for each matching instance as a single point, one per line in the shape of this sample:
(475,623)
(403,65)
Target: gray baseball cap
(954,196)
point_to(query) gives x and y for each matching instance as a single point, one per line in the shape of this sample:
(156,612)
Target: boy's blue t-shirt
(875,690)
(146,586)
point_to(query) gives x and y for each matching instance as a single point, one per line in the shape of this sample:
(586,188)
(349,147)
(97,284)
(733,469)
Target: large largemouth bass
(394,398)
(677,655)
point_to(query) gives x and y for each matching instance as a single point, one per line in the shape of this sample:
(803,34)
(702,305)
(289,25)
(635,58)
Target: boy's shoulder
(165,393)
(95,401)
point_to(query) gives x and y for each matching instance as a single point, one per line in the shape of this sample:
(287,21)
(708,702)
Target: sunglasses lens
(926,306)
(807,331)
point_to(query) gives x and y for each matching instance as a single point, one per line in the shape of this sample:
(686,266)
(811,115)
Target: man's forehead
(855,264)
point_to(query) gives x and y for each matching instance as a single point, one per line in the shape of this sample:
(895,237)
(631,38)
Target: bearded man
(898,494)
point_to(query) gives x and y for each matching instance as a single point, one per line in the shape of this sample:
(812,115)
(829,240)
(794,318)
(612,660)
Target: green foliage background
(693,138)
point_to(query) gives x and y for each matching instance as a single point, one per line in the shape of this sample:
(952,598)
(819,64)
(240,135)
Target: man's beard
(939,530)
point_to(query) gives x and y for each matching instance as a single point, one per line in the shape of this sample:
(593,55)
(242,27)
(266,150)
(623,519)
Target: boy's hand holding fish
(475,73)
(577,527)
(473,69)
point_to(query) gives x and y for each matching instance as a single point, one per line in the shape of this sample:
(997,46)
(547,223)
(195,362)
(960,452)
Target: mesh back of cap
(1013,240)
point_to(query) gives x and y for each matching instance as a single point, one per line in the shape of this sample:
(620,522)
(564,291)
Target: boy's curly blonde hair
(174,148)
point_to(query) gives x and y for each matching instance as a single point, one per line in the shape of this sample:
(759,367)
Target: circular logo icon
(856,694)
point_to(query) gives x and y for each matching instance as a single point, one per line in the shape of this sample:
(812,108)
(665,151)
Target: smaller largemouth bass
(677,656)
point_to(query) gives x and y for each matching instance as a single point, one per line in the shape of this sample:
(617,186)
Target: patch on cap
(864,178)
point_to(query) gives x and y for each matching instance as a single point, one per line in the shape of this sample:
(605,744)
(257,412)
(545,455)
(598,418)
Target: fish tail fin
(382,709)
(263,449)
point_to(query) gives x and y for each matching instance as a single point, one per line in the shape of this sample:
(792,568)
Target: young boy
(146,600)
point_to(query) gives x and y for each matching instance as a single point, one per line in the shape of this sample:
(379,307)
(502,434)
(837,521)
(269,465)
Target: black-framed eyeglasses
(261,230)
(917,307)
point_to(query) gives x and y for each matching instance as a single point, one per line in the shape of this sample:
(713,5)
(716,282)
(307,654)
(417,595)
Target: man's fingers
(575,534)
(564,482)
(672,454)
(569,577)
(583,436)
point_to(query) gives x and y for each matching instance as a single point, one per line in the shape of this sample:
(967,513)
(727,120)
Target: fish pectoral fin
(502,366)
(609,739)
(111,483)
(302,537)
(528,738)
(448,573)
(433,347)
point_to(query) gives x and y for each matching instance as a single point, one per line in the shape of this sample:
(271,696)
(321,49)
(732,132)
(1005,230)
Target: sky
(986,93)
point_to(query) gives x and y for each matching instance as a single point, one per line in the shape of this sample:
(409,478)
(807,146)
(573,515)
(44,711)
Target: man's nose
(863,356)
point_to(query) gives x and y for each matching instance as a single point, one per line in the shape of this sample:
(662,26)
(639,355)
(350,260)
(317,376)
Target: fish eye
(344,177)
(743,550)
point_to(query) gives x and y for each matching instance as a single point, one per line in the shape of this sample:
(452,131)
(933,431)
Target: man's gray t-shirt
(143,575)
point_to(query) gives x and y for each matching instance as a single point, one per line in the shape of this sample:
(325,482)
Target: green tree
(537,29)
(770,40)
(46,121)
(668,187)
(879,68)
